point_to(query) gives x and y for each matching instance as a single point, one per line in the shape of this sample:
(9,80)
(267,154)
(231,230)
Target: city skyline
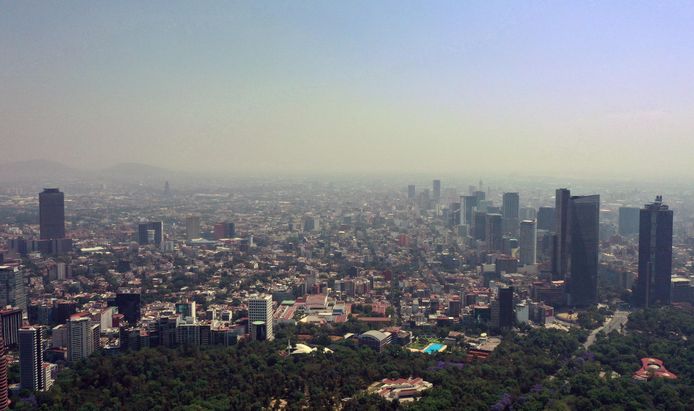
(346,205)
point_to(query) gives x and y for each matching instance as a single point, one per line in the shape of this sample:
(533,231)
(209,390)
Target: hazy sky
(551,88)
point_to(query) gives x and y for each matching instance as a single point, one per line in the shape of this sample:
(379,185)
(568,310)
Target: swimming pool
(433,347)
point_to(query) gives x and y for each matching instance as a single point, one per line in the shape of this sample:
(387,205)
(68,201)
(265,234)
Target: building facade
(528,242)
(654,284)
(31,372)
(51,214)
(260,310)
(584,244)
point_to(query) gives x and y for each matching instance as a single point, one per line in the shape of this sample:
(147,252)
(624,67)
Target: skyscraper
(150,233)
(260,310)
(51,214)
(560,252)
(31,374)
(510,208)
(479,225)
(192,227)
(653,285)
(494,235)
(545,218)
(583,249)
(629,220)
(469,204)
(128,304)
(502,309)
(528,242)
(411,193)
(436,190)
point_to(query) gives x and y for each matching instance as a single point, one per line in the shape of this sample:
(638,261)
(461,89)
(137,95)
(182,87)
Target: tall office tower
(479,225)
(495,232)
(150,233)
(11,323)
(545,218)
(528,242)
(481,195)
(629,220)
(51,214)
(192,227)
(560,252)
(411,193)
(469,204)
(260,311)
(128,304)
(583,243)
(4,386)
(12,291)
(436,190)
(455,215)
(80,337)
(502,309)
(224,230)
(510,208)
(31,375)
(653,287)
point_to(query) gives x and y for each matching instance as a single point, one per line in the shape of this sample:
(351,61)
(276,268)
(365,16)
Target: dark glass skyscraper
(494,232)
(510,209)
(51,214)
(31,372)
(545,218)
(560,252)
(653,286)
(583,249)
(502,314)
(128,304)
(468,203)
(437,190)
(479,225)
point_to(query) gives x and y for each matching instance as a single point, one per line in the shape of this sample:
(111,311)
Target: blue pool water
(432,348)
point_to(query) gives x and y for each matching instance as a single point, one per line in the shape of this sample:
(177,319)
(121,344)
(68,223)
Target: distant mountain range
(52,171)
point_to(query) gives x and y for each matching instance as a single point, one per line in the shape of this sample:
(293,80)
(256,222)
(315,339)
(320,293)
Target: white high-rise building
(80,338)
(48,371)
(528,242)
(260,311)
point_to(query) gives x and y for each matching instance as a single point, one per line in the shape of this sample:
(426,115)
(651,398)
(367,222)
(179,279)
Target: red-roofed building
(653,368)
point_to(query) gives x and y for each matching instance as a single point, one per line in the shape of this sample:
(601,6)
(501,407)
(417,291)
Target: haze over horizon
(586,90)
